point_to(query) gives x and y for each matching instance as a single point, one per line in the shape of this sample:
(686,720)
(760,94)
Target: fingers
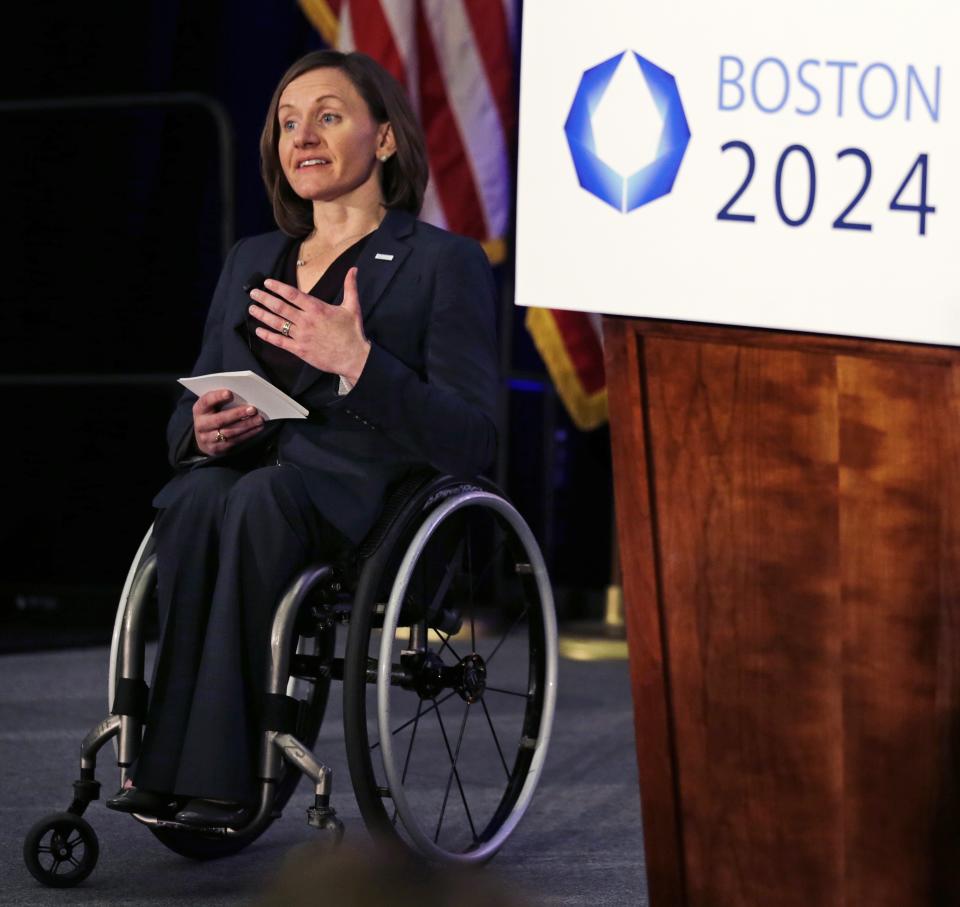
(211,401)
(301,301)
(276,313)
(217,427)
(222,419)
(214,440)
(328,337)
(271,320)
(236,432)
(285,343)
(213,444)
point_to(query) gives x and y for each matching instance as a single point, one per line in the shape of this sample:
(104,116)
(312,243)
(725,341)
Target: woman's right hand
(217,428)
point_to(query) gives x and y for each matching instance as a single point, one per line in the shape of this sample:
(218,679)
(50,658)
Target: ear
(386,142)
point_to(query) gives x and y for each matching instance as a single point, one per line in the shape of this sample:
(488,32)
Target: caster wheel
(61,850)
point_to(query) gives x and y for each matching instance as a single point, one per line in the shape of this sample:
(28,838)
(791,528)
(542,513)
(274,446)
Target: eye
(288,125)
(328,119)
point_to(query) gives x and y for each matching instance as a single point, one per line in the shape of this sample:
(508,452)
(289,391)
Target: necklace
(302,260)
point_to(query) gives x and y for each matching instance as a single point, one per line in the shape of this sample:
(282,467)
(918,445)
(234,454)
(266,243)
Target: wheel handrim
(524,776)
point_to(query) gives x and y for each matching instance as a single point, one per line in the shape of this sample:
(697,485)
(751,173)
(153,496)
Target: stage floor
(580,842)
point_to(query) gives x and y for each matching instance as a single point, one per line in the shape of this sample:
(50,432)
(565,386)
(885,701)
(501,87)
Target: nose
(307,135)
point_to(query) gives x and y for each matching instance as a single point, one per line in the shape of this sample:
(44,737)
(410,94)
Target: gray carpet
(580,842)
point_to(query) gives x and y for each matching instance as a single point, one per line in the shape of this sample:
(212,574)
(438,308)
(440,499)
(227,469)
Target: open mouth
(312,162)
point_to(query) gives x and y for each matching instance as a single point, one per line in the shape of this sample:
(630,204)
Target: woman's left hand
(328,337)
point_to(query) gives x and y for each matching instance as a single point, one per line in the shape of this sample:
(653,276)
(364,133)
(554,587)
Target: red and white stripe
(455,58)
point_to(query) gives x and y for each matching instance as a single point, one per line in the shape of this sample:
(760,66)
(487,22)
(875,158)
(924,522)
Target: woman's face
(329,142)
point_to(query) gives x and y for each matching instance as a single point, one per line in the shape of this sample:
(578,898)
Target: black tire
(499,765)
(57,840)
(198,846)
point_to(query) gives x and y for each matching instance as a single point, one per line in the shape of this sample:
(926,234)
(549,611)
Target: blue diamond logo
(627,131)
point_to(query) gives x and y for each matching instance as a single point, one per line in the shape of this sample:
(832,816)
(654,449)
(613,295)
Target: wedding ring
(285,328)
(220,436)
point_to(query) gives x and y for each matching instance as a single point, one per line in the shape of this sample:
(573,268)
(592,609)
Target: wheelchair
(449,673)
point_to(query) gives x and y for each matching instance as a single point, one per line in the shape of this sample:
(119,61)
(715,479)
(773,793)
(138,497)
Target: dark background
(115,226)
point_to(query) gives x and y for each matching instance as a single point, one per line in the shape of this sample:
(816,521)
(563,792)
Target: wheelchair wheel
(313,696)
(61,850)
(449,689)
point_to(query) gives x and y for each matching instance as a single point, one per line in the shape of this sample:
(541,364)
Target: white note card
(249,388)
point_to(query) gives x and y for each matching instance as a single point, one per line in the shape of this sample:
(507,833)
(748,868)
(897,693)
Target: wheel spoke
(496,739)
(413,736)
(406,724)
(43,848)
(473,604)
(75,862)
(510,629)
(448,575)
(491,560)
(445,643)
(490,689)
(446,793)
(454,774)
(74,842)
(56,865)
(406,763)
(474,580)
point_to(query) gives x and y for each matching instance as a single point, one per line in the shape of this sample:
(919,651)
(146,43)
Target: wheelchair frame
(434,502)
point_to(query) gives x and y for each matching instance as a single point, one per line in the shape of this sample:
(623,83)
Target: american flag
(456,60)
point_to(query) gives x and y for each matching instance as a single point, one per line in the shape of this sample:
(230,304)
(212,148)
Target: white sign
(783,165)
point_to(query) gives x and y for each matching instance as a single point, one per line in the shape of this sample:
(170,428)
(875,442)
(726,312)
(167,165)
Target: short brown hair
(403,177)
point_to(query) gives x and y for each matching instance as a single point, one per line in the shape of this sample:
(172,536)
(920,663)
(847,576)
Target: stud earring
(384,158)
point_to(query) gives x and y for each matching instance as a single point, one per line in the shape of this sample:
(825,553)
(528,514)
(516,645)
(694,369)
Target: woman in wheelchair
(369,514)
(384,328)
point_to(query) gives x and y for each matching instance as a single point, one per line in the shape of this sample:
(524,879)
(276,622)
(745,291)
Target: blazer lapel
(241,354)
(380,260)
(378,263)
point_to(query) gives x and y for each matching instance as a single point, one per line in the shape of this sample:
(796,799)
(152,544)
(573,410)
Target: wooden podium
(789,524)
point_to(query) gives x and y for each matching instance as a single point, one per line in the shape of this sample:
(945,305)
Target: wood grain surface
(659,793)
(788,521)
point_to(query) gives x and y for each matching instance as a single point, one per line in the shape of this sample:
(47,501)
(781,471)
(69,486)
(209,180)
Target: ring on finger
(220,437)
(285,328)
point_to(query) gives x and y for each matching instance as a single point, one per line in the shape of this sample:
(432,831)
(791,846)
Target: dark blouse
(281,366)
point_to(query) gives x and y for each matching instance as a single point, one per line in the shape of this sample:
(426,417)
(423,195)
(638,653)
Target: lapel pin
(383,256)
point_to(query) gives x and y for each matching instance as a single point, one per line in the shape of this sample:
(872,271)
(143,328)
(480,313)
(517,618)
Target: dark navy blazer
(426,396)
